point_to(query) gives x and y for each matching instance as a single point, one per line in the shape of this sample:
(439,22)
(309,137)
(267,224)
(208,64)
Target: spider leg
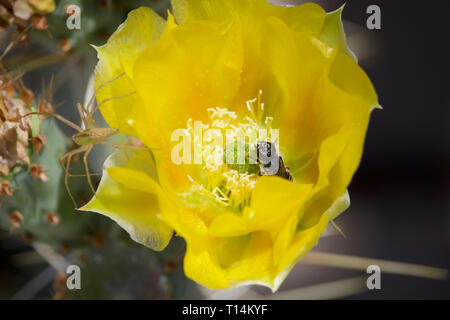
(118,145)
(111,98)
(86,116)
(67,156)
(81,112)
(88,106)
(86,167)
(57,116)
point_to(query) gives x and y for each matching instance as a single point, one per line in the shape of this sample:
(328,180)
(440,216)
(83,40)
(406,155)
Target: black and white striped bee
(270,162)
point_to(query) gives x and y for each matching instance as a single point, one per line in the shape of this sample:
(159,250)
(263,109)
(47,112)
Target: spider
(86,138)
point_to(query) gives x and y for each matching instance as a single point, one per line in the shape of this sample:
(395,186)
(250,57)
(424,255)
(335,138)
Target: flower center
(227,149)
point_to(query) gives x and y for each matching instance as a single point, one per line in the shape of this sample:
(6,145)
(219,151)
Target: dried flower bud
(16,218)
(4,167)
(36,171)
(65,44)
(52,218)
(6,188)
(45,107)
(13,146)
(8,88)
(39,142)
(25,94)
(13,109)
(39,22)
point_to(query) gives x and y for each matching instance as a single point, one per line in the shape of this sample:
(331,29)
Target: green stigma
(231,158)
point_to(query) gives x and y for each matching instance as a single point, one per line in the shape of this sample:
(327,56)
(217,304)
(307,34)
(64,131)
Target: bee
(270,162)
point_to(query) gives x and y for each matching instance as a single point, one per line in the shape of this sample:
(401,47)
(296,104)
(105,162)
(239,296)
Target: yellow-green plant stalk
(232,65)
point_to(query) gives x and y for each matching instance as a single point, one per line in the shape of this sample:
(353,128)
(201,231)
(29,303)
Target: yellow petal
(350,94)
(136,210)
(307,18)
(347,75)
(202,266)
(294,65)
(339,206)
(133,179)
(255,266)
(200,61)
(308,84)
(285,235)
(121,103)
(228,225)
(294,240)
(229,262)
(273,200)
(333,32)
(332,83)
(322,198)
(300,244)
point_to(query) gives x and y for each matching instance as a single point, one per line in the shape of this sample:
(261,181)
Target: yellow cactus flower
(229,66)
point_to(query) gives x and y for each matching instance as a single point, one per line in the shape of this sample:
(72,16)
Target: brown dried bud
(39,142)
(39,22)
(45,107)
(13,146)
(25,94)
(52,218)
(4,167)
(36,171)
(13,109)
(6,188)
(16,218)
(65,44)
(8,88)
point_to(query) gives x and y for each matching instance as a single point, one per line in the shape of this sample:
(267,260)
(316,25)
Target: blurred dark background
(400,194)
